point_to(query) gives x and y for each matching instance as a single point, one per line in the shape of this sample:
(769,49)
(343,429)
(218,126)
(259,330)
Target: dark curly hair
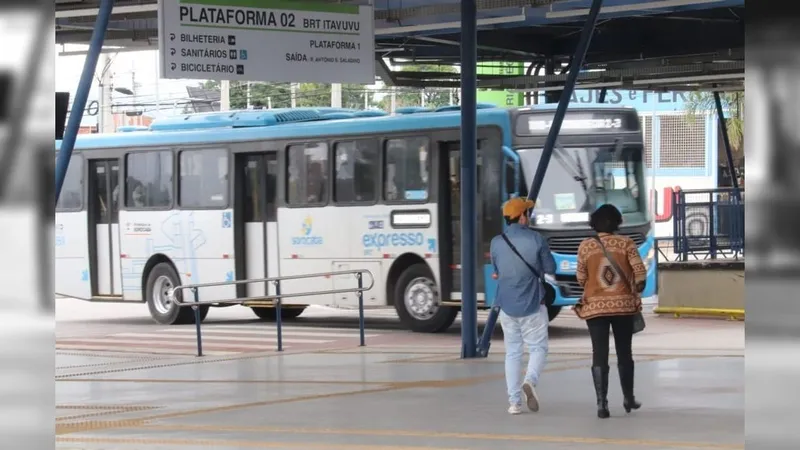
(606,219)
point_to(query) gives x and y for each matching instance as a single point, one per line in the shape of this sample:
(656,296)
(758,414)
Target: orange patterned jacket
(604,292)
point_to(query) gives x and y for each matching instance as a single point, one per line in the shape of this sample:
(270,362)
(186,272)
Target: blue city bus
(598,158)
(239,195)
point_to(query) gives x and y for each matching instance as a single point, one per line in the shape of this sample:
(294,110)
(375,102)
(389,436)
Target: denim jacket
(519,292)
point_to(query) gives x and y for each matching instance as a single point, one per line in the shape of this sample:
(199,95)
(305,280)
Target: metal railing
(276,299)
(708,224)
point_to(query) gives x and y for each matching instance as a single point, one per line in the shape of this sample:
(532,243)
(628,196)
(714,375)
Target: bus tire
(270,313)
(552,312)
(160,279)
(416,300)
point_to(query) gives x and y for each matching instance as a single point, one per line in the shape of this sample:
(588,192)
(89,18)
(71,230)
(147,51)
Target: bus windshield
(579,179)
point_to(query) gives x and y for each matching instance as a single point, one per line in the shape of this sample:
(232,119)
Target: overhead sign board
(266,40)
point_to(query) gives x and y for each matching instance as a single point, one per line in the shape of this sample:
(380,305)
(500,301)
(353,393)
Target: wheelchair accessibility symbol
(227,221)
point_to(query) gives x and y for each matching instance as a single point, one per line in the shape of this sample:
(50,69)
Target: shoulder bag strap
(614,264)
(514,249)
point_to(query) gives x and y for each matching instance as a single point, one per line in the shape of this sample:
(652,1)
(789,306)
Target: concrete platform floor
(397,397)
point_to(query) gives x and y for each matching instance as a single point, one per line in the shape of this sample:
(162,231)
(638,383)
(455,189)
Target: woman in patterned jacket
(610,300)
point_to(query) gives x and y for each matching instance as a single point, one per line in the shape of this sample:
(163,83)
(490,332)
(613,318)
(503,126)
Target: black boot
(600,376)
(626,380)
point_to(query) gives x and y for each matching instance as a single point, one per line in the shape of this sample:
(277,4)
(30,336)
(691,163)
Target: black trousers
(623,335)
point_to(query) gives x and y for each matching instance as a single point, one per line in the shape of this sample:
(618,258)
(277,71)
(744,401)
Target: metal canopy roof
(638,44)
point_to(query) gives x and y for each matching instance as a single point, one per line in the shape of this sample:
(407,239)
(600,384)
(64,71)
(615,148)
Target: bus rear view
(598,159)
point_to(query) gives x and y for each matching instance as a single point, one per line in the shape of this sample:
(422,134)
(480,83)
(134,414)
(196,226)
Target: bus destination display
(538,124)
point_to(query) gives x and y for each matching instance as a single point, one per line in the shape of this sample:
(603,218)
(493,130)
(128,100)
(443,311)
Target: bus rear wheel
(287,312)
(417,301)
(161,279)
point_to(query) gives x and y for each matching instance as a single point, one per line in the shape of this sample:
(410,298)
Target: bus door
(104,228)
(257,220)
(450,207)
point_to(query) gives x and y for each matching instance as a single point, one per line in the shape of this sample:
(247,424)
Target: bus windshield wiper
(573,167)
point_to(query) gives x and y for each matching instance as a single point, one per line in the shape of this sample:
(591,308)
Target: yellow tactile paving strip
(99,410)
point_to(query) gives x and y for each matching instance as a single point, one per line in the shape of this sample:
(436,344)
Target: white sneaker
(515,409)
(531,399)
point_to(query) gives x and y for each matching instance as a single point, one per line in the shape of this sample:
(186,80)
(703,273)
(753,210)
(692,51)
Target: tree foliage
(700,103)
(319,94)
(279,95)
(434,98)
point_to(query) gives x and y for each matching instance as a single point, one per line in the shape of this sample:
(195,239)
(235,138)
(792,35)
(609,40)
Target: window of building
(406,170)
(356,171)
(204,178)
(148,180)
(682,143)
(307,181)
(71,198)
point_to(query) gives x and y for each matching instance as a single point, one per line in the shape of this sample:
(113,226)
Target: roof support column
(555,127)
(469,193)
(82,93)
(726,140)
(566,95)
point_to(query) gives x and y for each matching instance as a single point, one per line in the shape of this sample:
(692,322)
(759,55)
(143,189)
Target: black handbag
(638,318)
(549,290)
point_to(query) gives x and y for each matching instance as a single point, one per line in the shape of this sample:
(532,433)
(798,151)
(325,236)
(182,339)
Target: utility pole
(336,95)
(393,106)
(225,95)
(131,109)
(105,118)
(293,90)
(158,79)
(249,105)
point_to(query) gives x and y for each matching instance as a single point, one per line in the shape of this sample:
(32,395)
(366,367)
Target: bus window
(71,198)
(356,170)
(148,180)
(406,169)
(204,179)
(308,174)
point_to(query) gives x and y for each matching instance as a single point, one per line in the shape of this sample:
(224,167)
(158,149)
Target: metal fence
(707,224)
(176,296)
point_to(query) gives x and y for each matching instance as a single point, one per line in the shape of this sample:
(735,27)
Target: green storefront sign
(501,98)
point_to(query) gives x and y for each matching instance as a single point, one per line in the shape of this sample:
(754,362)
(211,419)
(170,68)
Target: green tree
(700,103)
(261,94)
(319,94)
(279,95)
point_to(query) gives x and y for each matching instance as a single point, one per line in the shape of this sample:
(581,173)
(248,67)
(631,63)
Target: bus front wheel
(417,301)
(160,281)
(552,312)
